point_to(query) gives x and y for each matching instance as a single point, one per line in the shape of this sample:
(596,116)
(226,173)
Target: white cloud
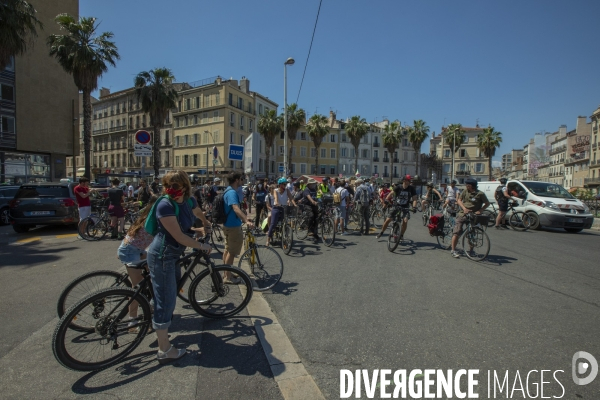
(496,164)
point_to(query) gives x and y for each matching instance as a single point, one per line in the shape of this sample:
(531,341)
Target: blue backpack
(151,223)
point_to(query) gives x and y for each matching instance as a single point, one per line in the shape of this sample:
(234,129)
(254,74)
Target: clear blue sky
(523,66)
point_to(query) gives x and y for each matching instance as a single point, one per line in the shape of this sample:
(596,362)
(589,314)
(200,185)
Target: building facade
(593,180)
(578,154)
(255,156)
(38,107)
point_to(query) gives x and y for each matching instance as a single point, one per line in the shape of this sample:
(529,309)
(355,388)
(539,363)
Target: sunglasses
(175,186)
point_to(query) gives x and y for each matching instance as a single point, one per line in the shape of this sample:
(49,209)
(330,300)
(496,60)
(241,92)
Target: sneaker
(498,227)
(455,254)
(234,281)
(163,357)
(401,237)
(379,235)
(344,233)
(132,325)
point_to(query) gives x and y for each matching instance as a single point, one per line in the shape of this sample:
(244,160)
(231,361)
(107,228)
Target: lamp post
(289,61)
(453,144)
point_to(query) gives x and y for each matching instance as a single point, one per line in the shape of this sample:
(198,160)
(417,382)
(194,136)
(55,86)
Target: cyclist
(340,221)
(259,196)
(429,195)
(309,197)
(502,198)
(403,194)
(452,193)
(470,200)
(323,188)
(281,198)
(362,196)
(385,191)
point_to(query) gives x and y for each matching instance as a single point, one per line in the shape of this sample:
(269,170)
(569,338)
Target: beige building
(578,154)
(38,107)
(593,180)
(469,162)
(79,160)
(557,153)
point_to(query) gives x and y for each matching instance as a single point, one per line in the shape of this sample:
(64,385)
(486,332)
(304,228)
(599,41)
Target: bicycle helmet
(453,182)
(503,180)
(471,182)
(429,184)
(408,178)
(282,181)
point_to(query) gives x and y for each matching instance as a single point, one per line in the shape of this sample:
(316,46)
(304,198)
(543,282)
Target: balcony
(376,159)
(595,146)
(579,159)
(376,144)
(117,128)
(99,131)
(395,174)
(386,159)
(559,149)
(386,175)
(592,181)
(593,163)
(396,160)
(465,172)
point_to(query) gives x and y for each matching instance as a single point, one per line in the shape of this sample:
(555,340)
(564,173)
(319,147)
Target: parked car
(7,193)
(43,204)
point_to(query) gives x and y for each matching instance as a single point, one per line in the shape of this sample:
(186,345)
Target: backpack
(364,195)
(499,196)
(218,215)
(436,225)
(151,223)
(337,197)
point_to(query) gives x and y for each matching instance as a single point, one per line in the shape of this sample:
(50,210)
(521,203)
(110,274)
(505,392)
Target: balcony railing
(463,173)
(376,144)
(591,181)
(396,160)
(99,131)
(595,145)
(596,162)
(395,174)
(558,149)
(386,175)
(386,159)
(376,159)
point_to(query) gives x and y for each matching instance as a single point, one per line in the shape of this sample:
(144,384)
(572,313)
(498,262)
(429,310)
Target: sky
(521,66)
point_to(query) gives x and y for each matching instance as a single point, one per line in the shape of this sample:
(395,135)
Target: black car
(44,204)
(7,193)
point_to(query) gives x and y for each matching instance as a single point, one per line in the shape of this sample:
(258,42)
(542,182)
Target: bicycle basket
(482,219)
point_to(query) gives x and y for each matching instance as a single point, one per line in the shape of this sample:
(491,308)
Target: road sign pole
(143,167)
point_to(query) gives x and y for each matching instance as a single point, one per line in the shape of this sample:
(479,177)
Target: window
(240,103)
(130,122)
(463,152)
(375,169)
(352,152)
(344,152)
(332,169)
(323,153)
(166,158)
(207,100)
(365,139)
(466,139)
(215,116)
(302,151)
(204,117)
(195,160)
(195,120)
(281,151)
(178,105)
(217,99)
(260,109)
(185,140)
(479,167)
(302,135)
(323,169)
(251,126)
(176,141)
(241,122)
(11,64)
(177,161)
(217,136)
(231,138)
(7,93)
(205,138)
(8,124)
(302,168)
(446,168)
(344,137)
(242,139)
(293,168)
(332,138)
(376,153)
(313,169)
(462,167)
(230,99)
(197,101)
(313,152)
(365,153)
(188,104)
(447,153)
(332,153)
(167,140)
(185,123)
(137,122)
(196,138)
(186,160)
(232,119)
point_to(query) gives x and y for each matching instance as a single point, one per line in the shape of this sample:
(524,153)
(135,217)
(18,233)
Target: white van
(552,203)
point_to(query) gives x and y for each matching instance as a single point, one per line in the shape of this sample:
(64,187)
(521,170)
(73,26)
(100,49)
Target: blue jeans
(276,215)
(162,263)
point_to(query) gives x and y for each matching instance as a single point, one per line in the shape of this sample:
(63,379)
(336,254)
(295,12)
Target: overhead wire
(310,47)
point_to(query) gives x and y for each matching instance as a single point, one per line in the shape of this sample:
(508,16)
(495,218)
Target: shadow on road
(498,260)
(29,255)
(284,288)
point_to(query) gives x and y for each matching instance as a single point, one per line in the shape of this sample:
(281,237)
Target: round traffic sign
(142,137)
(215,152)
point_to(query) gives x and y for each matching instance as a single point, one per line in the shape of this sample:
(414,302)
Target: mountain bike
(113,335)
(474,237)
(396,227)
(266,266)
(325,223)
(96,226)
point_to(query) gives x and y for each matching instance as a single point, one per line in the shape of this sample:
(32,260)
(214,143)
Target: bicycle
(113,336)
(474,237)
(324,220)
(96,226)
(266,266)
(396,228)
(284,233)
(518,220)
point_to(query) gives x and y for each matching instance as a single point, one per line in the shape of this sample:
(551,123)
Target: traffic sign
(107,171)
(142,137)
(215,152)
(142,150)
(281,168)
(215,161)
(236,152)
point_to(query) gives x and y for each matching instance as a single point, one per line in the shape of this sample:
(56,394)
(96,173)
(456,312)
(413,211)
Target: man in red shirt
(82,194)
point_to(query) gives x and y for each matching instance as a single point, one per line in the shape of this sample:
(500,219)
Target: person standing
(363,198)
(341,208)
(309,198)
(232,228)
(144,193)
(502,198)
(259,196)
(82,195)
(155,186)
(129,191)
(115,210)
(281,198)
(470,200)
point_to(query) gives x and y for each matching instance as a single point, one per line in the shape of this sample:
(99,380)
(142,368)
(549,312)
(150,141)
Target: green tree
(154,89)
(269,127)
(391,141)
(416,136)
(454,135)
(487,143)
(318,128)
(18,28)
(356,129)
(296,117)
(85,55)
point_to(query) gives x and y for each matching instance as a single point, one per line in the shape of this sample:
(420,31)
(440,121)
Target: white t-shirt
(343,194)
(452,193)
(130,191)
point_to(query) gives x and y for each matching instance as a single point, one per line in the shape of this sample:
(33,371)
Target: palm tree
(155,90)
(356,129)
(17,30)
(317,128)
(416,136)
(454,135)
(269,127)
(487,143)
(296,117)
(391,141)
(86,56)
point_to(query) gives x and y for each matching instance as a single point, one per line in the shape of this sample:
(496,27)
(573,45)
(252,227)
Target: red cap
(408,178)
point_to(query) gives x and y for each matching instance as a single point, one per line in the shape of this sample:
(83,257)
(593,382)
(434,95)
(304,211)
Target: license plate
(575,220)
(34,213)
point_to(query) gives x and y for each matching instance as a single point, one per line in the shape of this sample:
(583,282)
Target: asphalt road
(530,306)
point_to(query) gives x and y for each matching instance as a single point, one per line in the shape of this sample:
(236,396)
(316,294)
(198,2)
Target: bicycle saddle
(137,264)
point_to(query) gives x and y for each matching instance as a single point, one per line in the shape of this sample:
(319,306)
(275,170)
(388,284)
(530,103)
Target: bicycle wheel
(377,218)
(129,220)
(327,232)
(419,206)
(426,217)
(264,264)
(287,238)
(96,230)
(302,226)
(84,225)
(211,297)
(354,221)
(85,285)
(217,239)
(520,221)
(394,237)
(113,337)
(477,242)
(492,217)
(445,241)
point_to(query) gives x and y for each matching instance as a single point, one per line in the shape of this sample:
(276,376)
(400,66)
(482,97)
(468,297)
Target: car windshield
(545,189)
(30,192)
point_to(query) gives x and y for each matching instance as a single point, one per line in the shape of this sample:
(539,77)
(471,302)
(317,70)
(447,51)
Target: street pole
(75,136)
(289,61)
(143,167)
(453,142)
(206,158)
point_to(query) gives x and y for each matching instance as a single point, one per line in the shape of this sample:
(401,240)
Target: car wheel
(21,228)
(4,216)
(573,230)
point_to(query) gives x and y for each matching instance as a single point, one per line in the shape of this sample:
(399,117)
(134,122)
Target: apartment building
(212,114)
(557,154)
(38,107)
(255,156)
(79,159)
(578,154)
(593,180)
(469,161)
(404,157)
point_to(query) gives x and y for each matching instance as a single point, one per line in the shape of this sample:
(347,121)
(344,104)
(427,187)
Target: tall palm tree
(487,143)
(356,129)
(416,136)
(391,141)
(17,29)
(269,127)
(155,90)
(454,135)
(296,117)
(317,128)
(85,55)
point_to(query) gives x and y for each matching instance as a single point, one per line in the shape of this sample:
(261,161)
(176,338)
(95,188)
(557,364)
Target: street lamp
(289,61)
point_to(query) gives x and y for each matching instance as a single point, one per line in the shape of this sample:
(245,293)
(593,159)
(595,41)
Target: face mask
(174,193)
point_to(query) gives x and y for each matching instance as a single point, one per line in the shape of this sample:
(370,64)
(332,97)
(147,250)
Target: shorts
(398,210)
(84,212)
(234,239)
(503,207)
(128,253)
(116,211)
(341,212)
(458,223)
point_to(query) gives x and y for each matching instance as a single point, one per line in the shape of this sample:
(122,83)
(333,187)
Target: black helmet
(471,182)
(430,184)
(453,182)
(503,180)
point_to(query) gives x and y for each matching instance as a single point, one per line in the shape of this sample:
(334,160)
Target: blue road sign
(142,137)
(236,152)
(281,168)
